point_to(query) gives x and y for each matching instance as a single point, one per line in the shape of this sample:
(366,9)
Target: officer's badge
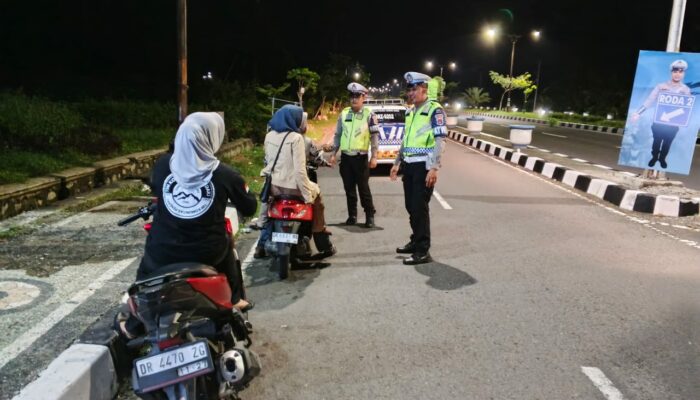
(440,118)
(409,78)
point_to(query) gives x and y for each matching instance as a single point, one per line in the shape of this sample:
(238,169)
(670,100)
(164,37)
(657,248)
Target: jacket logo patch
(187,204)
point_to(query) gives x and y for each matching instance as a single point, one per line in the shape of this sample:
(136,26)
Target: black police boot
(653,161)
(322,240)
(418,258)
(408,248)
(352,220)
(369,221)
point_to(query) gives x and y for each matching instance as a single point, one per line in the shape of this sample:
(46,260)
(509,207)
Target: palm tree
(475,96)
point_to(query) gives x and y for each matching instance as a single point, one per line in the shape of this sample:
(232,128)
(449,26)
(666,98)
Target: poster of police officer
(663,118)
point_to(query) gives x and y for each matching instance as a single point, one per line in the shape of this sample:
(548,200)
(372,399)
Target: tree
(451,89)
(270,92)
(510,83)
(335,77)
(526,94)
(307,81)
(475,96)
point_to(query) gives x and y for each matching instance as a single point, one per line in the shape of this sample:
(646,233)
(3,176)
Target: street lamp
(491,34)
(356,75)
(451,65)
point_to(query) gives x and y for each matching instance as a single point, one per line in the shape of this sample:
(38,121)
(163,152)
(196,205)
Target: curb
(89,369)
(82,371)
(626,199)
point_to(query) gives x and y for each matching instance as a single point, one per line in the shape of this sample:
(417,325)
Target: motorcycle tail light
(167,343)
(215,288)
(229,227)
(291,209)
(147,227)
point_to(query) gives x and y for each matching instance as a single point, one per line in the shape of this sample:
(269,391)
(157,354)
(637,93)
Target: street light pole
(182,59)
(537,85)
(513,40)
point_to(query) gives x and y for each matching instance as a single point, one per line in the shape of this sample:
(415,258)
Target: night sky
(128,47)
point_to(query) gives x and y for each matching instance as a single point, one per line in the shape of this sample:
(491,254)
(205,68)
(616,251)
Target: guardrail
(574,125)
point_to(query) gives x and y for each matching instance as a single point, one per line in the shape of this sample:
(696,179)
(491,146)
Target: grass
(135,140)
(249,163)
(322,129)
(18,166)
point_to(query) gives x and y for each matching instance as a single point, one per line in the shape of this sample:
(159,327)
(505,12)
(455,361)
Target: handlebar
(144,212)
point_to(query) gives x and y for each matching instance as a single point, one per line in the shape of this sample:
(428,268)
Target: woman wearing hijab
(193,188)
(289,176)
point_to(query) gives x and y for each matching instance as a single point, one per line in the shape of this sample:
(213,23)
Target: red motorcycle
(196,344)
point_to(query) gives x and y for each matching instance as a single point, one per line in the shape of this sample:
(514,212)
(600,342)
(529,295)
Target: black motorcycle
(196,344)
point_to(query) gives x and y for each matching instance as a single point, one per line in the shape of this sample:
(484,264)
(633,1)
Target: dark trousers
(663,137)
(355,173)
(417,196)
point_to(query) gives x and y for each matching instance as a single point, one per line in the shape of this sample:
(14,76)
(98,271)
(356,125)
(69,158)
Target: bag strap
(278,152)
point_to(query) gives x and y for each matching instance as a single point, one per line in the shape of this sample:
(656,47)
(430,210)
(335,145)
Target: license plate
(282,237)
(172,366)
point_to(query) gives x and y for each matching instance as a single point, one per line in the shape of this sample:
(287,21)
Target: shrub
(35,123)
(126,114)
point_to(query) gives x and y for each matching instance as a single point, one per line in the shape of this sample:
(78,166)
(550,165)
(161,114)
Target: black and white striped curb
(626,199)
(595,128)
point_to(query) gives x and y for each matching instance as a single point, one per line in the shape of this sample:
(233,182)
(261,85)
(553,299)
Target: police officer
(664,133)
(356,130)
(419,160)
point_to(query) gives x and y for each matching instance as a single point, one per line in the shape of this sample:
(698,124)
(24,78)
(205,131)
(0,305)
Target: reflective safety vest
(355,136)
(419,138)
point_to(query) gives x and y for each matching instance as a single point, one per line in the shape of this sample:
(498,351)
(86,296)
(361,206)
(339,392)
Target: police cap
(679,64)
(416,78)
(355,87)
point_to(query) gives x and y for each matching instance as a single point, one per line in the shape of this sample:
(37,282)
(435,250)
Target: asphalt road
(597,147)
(532,286)
(531,283)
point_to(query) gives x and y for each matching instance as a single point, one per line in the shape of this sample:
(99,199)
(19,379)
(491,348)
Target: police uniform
(356,133)
(664,134)
(424,134)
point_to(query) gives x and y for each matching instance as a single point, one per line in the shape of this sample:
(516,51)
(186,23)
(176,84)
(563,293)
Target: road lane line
(442,201)
(561,155)
(602,383)
(580,160)
(556,185)
(552,134)
(28,337)
(602,166)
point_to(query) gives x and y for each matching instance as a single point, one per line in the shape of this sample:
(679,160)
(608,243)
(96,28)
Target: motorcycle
(196,344)
(291,219)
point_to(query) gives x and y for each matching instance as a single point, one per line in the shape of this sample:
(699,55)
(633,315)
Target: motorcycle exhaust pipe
(238,366)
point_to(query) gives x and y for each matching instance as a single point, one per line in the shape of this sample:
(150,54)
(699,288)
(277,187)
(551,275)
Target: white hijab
(200,135)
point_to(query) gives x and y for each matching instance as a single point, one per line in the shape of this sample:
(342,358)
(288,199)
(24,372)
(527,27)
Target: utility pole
(673,44)
(182,60)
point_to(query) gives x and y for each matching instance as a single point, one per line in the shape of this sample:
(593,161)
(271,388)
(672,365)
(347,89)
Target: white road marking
(629,173)
(545,150)
(555,184)
(618,147)
(552,134)
(561,155)
(580,160)
(602,166)
(602,383)
(30,336)
(442,201)
(249,257)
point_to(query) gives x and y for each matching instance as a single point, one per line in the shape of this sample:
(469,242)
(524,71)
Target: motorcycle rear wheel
(283,266)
